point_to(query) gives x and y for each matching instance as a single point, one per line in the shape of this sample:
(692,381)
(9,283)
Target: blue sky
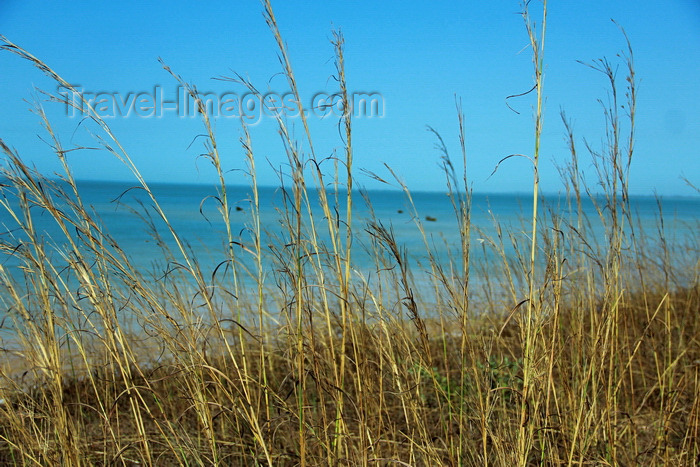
(416,55)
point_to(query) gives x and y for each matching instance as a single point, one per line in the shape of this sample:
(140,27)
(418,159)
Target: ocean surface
(192,212)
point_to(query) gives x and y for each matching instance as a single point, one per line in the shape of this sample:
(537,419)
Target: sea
(423,226)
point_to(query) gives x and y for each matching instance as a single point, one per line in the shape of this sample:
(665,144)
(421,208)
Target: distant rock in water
(430,218)
(238,208)
(400,211)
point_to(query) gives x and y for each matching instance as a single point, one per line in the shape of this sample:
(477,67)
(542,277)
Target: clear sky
(416,55)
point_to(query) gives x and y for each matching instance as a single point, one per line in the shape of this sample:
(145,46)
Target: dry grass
(588,354)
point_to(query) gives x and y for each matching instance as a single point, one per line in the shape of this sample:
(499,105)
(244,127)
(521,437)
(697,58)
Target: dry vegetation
(595,361)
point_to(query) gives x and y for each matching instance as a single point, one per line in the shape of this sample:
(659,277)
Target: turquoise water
(192,211)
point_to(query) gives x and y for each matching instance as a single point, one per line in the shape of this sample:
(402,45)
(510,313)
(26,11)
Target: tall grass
(575,350)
